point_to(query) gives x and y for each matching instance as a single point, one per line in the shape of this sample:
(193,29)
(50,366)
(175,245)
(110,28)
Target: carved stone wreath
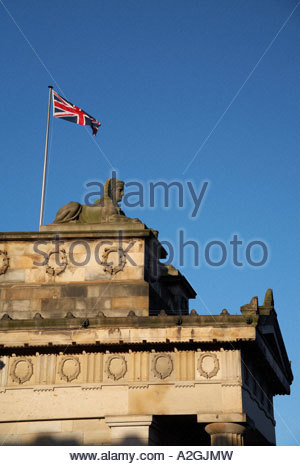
(208,365)
(4,262)
(162,366)
(56,269)
(69,368)
(21,370)
(116,367)
(110,267)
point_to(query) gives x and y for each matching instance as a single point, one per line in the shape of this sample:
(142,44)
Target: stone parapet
(82,270)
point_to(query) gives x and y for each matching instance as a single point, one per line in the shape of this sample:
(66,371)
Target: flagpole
(45,159)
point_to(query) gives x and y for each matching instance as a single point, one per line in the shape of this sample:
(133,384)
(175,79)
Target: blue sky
(163,77)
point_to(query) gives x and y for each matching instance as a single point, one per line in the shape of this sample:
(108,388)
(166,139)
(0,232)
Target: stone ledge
(94,234)
(133,321)
(129,335)
(130,420)
(221,417)
(93,227)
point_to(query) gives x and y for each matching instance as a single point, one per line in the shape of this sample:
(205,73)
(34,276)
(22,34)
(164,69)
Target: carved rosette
(162,366)
(21,370)
(115,367)
(208,365)
(69,368)
(4,262)
(56,262)
(110,267)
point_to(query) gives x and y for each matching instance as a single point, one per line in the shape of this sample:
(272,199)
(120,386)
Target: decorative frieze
(135,368)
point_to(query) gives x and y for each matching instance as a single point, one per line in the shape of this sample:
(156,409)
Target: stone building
(98,347)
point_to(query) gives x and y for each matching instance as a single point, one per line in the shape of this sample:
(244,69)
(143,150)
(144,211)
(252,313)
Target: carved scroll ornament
(116,367)
(21,370)
(4,262)
(162,366)
(56,262)
(69,368)
(109,266)
(208,365)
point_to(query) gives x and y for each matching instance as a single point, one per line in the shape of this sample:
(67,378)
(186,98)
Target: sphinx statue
(104,210)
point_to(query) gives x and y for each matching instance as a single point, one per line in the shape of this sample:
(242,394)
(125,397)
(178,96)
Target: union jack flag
(67,111)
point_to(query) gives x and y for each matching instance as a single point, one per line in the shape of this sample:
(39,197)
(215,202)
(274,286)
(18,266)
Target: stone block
(104,304)
(138,289)
(88,425)
(8,428)
(79,246)
(124,290)
(14,248)
(121,289)
(12,440)
(71,274)
(81,260)
(26,292)
(131,273)
(20,262)
(39,427)
(93,304)
(37,259)
(74,291)
(80,305)
(13,276)
(35,305)
(61,304)
(137,245)
(37,275)
(93,291)
(94,274)
(16,305)
(133,302)
(136,257)
(67,425)
(97,438)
